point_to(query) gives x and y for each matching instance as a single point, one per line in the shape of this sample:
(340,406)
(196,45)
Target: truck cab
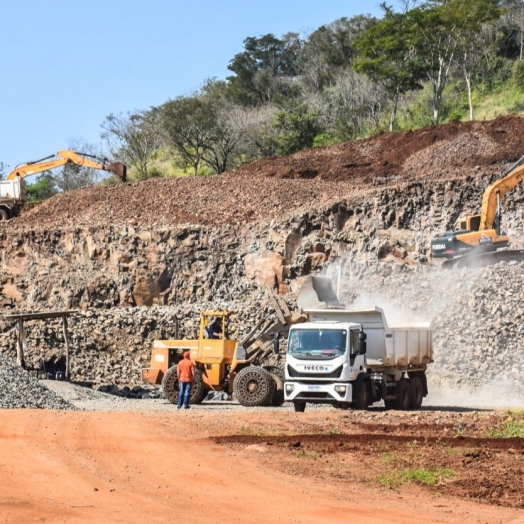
(323,353)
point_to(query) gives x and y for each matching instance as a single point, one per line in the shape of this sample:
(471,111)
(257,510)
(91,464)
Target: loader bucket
(119,169)
(317,292)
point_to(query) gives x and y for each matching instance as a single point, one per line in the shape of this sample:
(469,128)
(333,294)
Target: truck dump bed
(400,347)
(13,190)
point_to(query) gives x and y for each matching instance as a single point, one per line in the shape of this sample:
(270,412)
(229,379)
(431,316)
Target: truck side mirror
(276,343)
(362,345)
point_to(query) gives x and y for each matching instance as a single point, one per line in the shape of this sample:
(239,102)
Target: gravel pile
(19,390)
(477,316)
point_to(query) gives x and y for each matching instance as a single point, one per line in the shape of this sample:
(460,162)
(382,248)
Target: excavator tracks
(485,259)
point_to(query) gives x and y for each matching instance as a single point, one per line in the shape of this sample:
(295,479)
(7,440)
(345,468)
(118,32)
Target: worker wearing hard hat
(186,377)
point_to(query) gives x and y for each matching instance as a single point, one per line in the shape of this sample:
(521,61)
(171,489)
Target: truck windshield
(321,344)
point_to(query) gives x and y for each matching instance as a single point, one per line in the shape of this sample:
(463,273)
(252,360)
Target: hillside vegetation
(421,63)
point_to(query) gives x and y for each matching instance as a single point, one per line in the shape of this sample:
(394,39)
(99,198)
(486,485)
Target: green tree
(133,138)
(44,187)
(262,71)
(188,125)
(471,41)
(330,49)
(442,26)
(296,129)
(389,56)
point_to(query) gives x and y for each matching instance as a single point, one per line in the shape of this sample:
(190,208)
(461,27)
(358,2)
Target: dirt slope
(281,186)
(119,467)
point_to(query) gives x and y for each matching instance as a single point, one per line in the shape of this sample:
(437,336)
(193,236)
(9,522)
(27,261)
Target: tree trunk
(470,98)
(393,116)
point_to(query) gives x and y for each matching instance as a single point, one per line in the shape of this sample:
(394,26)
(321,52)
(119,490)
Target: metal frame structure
(21,345)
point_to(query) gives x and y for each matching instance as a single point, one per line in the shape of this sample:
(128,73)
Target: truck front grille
(319,376)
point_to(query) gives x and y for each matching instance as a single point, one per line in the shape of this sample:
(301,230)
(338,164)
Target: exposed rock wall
(129,277)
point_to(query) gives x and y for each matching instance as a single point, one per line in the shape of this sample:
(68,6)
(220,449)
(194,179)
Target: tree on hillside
(296,129)
(330,49)
(441,26)
(2,174)
(470,39)
(389,56)
(226,147)
(264,69)
(188,125)
(515,16)
(133,138)
(44,187)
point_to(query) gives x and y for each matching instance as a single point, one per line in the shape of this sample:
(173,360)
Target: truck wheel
(4,215)
(416,392)
(300,407)
(171,387)
(253,386)
(389,403)
(403,395)
(361,396)
(278,395)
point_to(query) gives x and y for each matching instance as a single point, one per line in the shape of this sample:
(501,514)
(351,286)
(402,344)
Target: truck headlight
(341,390)
(290,388)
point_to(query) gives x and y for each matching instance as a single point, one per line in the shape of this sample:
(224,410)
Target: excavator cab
(471,223)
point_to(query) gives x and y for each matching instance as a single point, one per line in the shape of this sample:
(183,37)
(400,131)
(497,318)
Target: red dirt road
(90,467)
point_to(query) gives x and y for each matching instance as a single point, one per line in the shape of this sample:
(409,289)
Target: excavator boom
(496,193)
(65,157)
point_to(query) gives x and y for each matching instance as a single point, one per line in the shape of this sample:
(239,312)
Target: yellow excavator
(13,191)
(480,233)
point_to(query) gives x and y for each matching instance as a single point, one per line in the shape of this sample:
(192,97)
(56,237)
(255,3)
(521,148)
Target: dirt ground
(268,465)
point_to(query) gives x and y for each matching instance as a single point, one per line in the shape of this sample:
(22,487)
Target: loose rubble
(20,390)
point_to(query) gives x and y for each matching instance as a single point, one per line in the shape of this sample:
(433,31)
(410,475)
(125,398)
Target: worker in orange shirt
(186,377)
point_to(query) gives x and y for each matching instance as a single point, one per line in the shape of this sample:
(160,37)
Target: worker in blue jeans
(186,377)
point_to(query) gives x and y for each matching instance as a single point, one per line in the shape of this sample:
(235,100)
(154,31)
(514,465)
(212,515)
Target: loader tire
(416,392)
(253,386)
(278,395)
(276,370)
(403,399)
(171,388)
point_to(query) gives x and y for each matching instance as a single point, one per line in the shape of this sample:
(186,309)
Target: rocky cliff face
(130,272)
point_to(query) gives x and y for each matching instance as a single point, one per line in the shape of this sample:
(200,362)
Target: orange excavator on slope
(13,192)
(480,233)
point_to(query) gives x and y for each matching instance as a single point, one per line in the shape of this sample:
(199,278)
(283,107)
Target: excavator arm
(65,157)
(495,193)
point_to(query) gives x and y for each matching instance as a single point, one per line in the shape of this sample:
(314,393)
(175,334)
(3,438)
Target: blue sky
(66,65)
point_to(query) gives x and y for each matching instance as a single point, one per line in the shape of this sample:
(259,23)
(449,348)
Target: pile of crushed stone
(20,390)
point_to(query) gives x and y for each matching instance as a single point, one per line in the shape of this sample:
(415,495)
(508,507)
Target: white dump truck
(12,197)
(352,358)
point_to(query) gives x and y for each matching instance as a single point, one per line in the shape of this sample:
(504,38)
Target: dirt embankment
(279,187)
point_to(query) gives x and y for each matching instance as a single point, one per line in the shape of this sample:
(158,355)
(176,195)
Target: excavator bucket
(119,169)
(317,292)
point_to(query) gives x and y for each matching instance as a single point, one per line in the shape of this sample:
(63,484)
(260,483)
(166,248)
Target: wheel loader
(236,367)
(223,364)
